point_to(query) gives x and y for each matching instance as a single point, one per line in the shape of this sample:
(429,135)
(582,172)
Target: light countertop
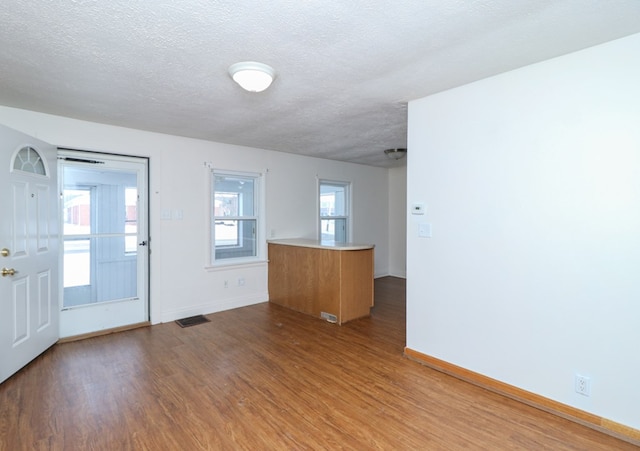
(331,245)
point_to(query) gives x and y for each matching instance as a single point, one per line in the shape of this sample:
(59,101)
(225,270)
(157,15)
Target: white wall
(180,284)
(398,221)
(532,181)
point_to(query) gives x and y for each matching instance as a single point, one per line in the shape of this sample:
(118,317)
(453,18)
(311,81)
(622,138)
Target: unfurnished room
(297,225)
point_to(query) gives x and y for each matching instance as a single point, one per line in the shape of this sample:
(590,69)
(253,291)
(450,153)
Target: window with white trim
(235,216)
(334,211)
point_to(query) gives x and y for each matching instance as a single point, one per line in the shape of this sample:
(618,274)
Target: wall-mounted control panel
(418,208)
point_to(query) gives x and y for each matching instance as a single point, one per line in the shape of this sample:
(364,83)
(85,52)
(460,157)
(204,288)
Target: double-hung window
(334,211)
(235,216)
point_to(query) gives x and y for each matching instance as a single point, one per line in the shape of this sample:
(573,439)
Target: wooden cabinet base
(334,284)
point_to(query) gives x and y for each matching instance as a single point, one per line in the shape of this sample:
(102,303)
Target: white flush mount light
(396,154)
(252,76)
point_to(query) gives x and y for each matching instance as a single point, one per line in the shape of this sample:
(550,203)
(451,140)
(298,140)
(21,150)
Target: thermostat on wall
(417,209)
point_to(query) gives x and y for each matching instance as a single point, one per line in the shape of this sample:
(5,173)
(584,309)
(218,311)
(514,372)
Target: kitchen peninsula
(333,281)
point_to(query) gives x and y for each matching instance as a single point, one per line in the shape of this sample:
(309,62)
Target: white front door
(29,309)
(105,241)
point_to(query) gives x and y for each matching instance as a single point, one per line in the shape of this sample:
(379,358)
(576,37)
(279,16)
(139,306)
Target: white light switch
(424,230)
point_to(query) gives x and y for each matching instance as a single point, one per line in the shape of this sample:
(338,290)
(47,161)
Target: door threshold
(104,332)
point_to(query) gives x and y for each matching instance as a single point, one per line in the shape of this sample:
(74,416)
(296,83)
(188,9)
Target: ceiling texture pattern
(345,70)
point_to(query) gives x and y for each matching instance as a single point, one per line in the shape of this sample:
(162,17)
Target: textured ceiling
(345,70)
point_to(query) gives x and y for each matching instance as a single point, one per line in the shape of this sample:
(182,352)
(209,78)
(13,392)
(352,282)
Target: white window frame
(346,217)
(258,217)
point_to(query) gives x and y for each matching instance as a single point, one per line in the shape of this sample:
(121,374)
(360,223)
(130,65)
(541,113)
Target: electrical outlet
(583,385)
(241,282)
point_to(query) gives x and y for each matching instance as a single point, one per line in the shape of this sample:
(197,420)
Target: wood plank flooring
(266,378)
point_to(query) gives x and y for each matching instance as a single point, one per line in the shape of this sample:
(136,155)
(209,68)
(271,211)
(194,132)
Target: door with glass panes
(105,242)
(28,249)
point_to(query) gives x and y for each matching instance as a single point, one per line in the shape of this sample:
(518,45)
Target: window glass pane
(333,230)
(28,160)
(235,238)
(97,270)
(333,200)
(88,190)
(234,196)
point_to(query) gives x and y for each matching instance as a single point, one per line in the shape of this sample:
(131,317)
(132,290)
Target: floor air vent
(192,321)
(329,317)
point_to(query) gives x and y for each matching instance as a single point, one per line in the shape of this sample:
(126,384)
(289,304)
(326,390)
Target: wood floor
(266,378)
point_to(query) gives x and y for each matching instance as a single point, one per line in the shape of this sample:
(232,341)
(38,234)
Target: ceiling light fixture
(252,76)
(396,154)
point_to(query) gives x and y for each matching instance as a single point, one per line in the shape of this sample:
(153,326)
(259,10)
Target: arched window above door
(29,160)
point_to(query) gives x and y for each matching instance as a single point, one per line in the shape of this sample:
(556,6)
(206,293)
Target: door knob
(8,272)
(4,252)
